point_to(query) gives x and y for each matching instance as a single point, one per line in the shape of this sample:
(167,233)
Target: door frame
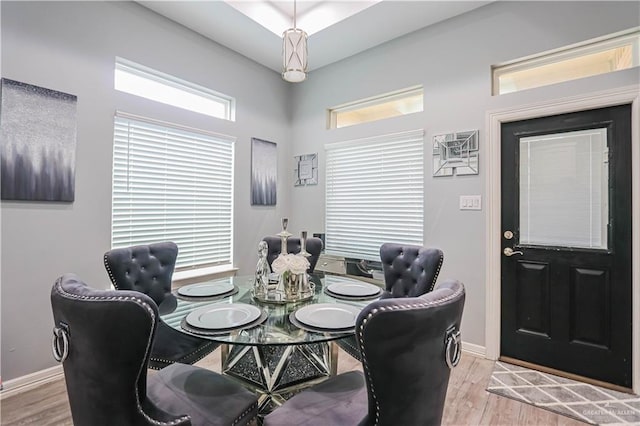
(494,120)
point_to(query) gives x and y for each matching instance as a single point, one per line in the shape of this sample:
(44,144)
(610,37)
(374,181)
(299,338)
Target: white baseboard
(30,381)
(474,350)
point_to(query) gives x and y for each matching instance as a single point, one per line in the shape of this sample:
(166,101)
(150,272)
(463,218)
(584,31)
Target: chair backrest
(103,339)
(409,271)
(313,247)
(405,344)
(145,268)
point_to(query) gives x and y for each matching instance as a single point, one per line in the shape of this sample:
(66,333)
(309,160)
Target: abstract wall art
(37,143)
(264,172)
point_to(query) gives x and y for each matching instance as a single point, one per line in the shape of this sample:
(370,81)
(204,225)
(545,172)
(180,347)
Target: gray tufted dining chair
(409,346)
(103,339)
(149,270)
(313,247)
(409,271)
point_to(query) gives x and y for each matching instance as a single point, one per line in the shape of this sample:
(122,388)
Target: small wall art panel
(456,152)
(38,143)
(264,172)
(305,169)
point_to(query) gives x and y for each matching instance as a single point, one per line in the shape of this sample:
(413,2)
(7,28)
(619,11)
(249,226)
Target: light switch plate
(471,202)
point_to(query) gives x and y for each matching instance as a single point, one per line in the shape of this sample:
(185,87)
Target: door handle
(508,251)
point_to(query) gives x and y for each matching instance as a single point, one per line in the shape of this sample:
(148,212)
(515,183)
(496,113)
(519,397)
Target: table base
(276,373)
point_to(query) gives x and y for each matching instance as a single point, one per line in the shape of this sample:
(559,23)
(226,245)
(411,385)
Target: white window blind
(564,189)
(175,184)
(374,194)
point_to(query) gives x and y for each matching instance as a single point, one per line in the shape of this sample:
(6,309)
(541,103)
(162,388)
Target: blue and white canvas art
(264,172)
(38,143)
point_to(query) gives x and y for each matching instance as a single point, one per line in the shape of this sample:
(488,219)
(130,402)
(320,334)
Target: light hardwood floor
(467,401)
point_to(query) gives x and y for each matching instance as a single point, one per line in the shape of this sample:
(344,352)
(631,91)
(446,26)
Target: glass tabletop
(277,328)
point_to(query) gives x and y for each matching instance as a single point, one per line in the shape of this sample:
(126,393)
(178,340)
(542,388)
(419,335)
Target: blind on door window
(374,194)
(173,184)
(564,181)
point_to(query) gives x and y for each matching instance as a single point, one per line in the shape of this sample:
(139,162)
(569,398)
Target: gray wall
(71,47)
(452,61)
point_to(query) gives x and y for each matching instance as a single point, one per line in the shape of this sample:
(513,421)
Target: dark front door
(566,223)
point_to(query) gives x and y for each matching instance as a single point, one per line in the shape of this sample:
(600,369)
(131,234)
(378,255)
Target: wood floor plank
(499,411)
(46,405)
(533,416)
(467,399)
(468,403)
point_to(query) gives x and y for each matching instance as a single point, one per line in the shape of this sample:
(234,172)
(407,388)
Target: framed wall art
(38,148)
(305,169)
(264,172)
(456,152)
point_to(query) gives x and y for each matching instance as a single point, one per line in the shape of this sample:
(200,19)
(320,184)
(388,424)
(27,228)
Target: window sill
(198,275)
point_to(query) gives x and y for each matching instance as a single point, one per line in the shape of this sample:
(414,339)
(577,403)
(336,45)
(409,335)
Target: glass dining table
(276,356)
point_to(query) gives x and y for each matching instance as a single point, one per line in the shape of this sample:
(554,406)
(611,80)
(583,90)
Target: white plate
(223,316)
(328,315)
(354,289)
(206,289)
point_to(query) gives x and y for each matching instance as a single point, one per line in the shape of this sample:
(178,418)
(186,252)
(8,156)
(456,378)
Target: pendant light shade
(294,53)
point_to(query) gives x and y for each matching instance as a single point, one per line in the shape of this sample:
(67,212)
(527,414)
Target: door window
(564,181)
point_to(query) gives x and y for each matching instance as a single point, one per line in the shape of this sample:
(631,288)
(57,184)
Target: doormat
(581,401)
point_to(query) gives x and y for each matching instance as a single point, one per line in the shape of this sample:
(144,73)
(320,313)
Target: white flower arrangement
(292,263)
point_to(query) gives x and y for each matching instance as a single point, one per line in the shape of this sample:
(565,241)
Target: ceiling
(337,29)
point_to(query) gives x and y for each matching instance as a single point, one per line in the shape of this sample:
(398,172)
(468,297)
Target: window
(594,57)
(173,184)
(375,192)
(402,102)
(148,83)
(564,189)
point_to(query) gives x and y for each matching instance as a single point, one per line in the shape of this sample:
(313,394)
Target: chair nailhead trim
(405,307)
(108,268)
(251,407)
(152,316)
(435,277)
(169,362)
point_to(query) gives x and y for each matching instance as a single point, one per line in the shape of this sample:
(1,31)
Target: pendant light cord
(294,14)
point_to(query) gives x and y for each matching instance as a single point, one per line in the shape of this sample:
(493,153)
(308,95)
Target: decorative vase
(261,282)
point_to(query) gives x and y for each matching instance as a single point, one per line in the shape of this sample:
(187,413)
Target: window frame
(573,51)
(134,69)
(333,112)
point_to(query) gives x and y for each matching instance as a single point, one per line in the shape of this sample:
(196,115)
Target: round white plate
(328,315)
(223,316)
(354,289)
(206,289)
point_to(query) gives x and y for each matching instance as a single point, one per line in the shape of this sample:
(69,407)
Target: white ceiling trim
(311,16)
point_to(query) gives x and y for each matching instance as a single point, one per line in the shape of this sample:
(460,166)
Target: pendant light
(294,52)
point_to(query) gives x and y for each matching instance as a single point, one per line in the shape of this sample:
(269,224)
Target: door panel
(533,298)
(590,320)
(566,286)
